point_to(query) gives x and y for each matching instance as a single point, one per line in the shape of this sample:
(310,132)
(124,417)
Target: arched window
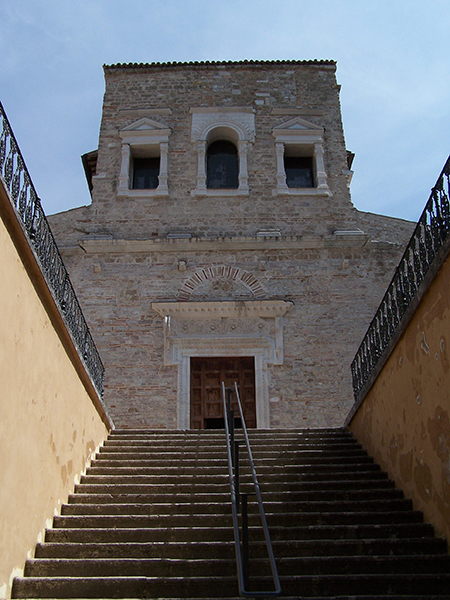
(222,166)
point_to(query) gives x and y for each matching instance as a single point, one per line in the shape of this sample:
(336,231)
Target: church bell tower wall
(221,224)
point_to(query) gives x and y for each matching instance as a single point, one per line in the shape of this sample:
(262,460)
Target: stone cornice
(206,310)
(340,239)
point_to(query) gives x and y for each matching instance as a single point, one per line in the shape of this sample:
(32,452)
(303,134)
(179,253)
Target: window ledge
(143,193)
(220,193)
(325,191)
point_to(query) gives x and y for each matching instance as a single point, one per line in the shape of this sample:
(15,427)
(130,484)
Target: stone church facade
(221,243)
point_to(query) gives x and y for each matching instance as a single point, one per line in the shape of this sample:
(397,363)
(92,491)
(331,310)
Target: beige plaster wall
(404,419)
(49,426)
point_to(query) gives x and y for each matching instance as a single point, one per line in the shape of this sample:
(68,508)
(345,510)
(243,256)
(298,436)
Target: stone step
(225,508)
(262,449)
(216,508)
(358,597)
(216,567)
(280,481)
(353,586)
(140,567)
(149,504)
(370,597)
(296,491)
(270,436)
(104,535)
(219,440)
(224,512)
(200,549)
(193,533)
(289,473)
(142,521)
(308,459)
(223,519)
(254,437)
(270,463)
(225,549)
(124,587)
(273,433)
(223,587)
(151,518)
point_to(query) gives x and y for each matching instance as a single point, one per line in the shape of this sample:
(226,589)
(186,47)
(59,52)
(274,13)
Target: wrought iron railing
(239,502)
(30,214)
(429,236)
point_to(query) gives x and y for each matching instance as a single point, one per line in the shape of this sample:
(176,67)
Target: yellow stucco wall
(404,421)
(49,426)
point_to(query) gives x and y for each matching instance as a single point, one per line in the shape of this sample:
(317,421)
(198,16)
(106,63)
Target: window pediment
(297,124)
(145,131)
(144,124)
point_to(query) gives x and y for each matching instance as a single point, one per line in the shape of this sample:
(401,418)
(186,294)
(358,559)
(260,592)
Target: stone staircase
(152,519)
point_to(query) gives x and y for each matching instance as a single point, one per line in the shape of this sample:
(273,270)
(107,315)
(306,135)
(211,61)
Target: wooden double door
(207,375)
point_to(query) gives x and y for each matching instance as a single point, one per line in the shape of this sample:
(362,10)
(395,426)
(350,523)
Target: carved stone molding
(241,121)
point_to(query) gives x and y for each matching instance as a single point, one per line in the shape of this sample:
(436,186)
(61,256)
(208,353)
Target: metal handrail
(233,471)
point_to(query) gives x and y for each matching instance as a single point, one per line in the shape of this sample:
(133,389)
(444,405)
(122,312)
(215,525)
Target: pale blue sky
(393,64)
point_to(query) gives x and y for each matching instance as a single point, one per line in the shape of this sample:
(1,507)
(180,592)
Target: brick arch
(233,273)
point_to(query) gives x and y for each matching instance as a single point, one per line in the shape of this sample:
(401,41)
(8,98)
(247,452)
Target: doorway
(207,375)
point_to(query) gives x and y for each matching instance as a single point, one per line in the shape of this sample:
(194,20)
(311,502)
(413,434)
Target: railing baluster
(29,212)
(429,235)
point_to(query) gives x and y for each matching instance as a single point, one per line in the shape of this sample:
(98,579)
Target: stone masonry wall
(331,261)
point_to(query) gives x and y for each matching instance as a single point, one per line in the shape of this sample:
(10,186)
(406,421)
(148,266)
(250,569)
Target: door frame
(261,387)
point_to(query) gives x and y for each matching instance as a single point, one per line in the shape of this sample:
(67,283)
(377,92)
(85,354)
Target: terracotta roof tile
(218,63)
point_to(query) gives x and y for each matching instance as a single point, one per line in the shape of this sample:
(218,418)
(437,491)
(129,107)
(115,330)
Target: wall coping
(438,263)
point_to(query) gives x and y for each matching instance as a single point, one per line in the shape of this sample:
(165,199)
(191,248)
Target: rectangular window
(146,173)
(299,171)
